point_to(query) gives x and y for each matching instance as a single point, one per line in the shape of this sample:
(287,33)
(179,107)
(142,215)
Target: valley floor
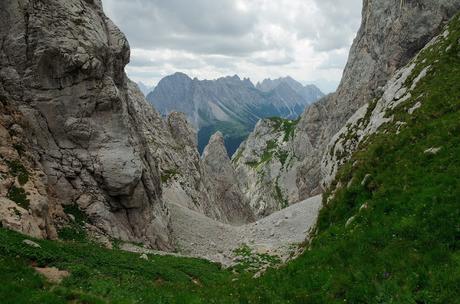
(277,235)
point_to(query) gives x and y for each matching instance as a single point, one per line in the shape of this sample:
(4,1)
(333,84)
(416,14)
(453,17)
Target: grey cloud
(200,26)
(215,36)
(335,25)
(272,62)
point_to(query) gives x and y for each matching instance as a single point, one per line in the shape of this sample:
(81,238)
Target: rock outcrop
(265,165)
(392,32)
(62,67)
(222,183)
(76,133)
(186,179)
(401,98)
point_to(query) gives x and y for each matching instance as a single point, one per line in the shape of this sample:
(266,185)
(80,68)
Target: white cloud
(306,39)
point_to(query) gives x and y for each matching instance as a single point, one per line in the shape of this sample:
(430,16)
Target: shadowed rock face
(62,65)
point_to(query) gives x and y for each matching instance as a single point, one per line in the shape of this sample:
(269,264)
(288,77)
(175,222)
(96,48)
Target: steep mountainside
(186,179)
(390,35)
(77,137)
(62,70)
(145,89)
(388,231)
(229,105)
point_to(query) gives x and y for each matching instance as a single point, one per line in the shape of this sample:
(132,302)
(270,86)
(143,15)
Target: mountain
(280,162)
(93,179)
(230,105)
(388,231)
(310,92)
(83,155)
(145,89)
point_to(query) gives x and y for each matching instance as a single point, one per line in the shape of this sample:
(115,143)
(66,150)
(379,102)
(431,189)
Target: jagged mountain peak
(229,104)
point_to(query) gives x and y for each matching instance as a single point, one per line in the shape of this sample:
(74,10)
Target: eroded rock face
(391,33)
(62,65)
(265,167)
(222,183)
(186,180)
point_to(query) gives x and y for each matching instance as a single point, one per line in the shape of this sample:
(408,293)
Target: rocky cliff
(62,70)
(402,97)
(78,137)
(391,33)
(222,183)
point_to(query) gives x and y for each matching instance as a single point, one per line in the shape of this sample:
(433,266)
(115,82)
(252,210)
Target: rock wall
(222,183)
(401,98)
(76,132)
(204,186)
(391,33)
(62,67)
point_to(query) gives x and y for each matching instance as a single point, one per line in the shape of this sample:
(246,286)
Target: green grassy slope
(402,248)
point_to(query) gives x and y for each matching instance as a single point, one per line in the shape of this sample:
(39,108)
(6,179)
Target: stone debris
(31,243)
(52,274)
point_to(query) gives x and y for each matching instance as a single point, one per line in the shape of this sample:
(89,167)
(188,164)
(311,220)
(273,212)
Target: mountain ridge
(229,104)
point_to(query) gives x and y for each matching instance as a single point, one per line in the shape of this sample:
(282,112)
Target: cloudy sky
(306,39)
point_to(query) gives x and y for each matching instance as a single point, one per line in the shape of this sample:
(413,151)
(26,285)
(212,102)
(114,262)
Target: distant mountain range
(145,89)
(230,104)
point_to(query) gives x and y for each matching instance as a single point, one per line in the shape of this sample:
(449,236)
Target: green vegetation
(272,149)
(167,175)
(402,246)
(74,230)
(250,261)
(238,155)
(286,125)
(19,171)
(19,148)
(99,275)
(19,196)
(280,197)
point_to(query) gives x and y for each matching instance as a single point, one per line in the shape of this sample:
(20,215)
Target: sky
(308,40)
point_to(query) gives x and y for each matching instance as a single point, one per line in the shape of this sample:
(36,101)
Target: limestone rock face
(379,114)
(265,166)
(391,33)
(185,179)
(222,183)
(62,66)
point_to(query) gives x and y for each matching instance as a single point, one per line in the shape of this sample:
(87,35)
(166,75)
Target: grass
(404,247)
(75,229)
(251,262)
(100,275)
(285,125)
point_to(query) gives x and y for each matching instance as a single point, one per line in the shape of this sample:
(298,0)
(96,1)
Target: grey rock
(432,151)
(67,80)
(230,100)
(222,183)
(368,119)
(389,37)
(31,243)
